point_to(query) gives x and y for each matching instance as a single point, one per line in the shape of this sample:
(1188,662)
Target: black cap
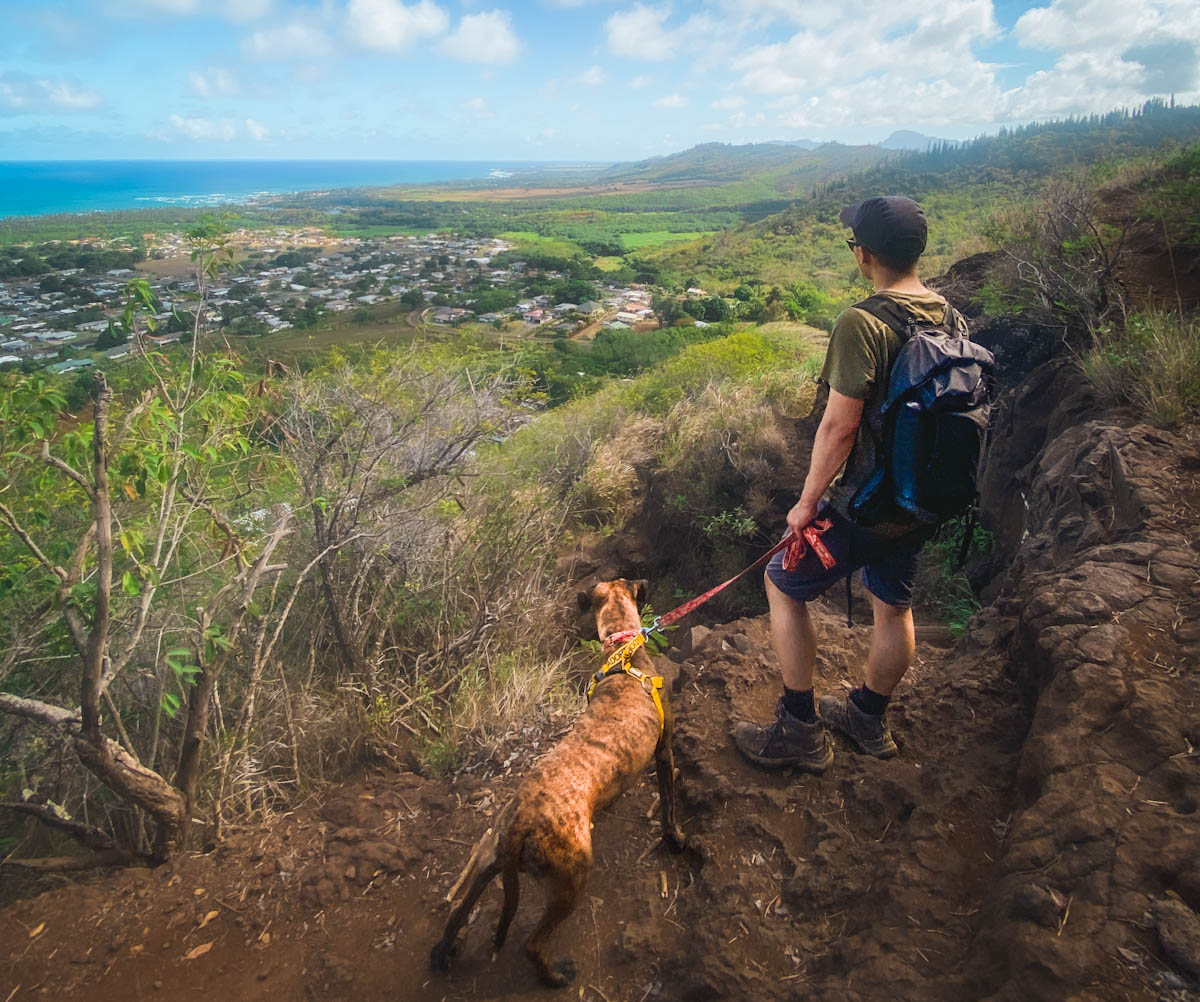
(891,225)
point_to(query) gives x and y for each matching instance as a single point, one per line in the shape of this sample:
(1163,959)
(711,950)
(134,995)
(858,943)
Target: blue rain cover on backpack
(933,421)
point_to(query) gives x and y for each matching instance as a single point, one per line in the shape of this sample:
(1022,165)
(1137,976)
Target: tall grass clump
(1151,361)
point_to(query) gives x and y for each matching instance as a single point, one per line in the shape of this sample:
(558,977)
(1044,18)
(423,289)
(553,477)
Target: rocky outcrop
(1104,589)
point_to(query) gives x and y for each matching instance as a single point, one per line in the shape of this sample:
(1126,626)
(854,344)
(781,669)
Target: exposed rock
(1178,930)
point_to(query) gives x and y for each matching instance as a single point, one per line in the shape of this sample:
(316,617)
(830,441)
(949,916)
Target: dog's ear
(584,598)
(640,590)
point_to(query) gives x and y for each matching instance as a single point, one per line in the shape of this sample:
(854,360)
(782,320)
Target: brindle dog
(549,832)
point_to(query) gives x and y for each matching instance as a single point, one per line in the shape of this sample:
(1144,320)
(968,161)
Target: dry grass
(607,492)
(1151,361)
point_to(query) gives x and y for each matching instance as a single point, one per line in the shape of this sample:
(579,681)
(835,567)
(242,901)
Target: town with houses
(292,278)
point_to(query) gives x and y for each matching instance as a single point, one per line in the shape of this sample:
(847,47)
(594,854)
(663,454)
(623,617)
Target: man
(889,238)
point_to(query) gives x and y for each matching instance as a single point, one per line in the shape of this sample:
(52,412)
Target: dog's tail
(482,867)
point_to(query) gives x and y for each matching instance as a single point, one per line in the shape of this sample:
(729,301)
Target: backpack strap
(886,309)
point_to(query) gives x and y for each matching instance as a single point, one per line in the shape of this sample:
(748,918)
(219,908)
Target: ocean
(38,188)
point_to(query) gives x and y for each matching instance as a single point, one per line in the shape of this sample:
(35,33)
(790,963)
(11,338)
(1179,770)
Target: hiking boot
(867,731)
(788,741)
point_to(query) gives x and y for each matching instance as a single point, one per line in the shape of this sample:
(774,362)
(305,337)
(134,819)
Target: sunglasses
(852,244)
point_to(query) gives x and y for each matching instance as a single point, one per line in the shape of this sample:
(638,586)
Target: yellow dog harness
(618,663)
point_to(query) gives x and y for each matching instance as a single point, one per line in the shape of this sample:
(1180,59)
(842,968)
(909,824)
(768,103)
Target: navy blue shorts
(889,563)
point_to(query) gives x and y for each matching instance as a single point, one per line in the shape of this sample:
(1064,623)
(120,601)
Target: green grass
(388,324)
(657,238)
(554,246)
(1152,361)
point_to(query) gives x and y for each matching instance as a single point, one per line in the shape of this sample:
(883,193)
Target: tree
(111,338)
(668,309)
(574,291)
(716,310)
(97,522)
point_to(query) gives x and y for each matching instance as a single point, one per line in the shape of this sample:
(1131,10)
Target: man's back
(862,351)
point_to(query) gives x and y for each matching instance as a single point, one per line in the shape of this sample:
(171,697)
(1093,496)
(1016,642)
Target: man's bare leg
(794,638)
(797,737)
(860,715)
(893,644)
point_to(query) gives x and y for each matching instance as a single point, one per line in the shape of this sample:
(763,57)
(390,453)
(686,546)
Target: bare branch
(85,834)
(97,646)
(88,861)
(18,530)
(66,468)
(35,709)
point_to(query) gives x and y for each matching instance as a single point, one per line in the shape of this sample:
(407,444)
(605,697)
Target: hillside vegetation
(224,582)
(221,588)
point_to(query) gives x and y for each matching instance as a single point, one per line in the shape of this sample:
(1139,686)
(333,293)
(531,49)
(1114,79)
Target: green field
(657,238)
(528,240)
(382,230)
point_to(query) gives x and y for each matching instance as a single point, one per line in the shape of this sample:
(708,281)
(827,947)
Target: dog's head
(615,605)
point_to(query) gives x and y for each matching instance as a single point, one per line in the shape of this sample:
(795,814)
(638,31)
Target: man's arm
(831,446)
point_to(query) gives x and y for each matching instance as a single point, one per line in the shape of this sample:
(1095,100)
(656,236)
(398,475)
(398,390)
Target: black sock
(799,703)
(870,701)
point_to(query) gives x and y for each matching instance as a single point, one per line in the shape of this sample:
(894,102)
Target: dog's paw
(698,850)
(440,955)
(559,974)
(676,841)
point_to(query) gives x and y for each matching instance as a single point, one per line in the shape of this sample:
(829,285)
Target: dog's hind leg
(439,956)
(564,888)
(511,876)
(664,766)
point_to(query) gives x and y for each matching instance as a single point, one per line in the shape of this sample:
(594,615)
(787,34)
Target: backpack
(932,423)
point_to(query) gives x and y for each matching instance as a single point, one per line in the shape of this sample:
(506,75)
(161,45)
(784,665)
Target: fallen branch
(88,861)
(89,836)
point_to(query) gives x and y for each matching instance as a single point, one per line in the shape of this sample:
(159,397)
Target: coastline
(36,189)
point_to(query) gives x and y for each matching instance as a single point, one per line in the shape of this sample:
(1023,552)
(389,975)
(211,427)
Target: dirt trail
(344,898)
(1043,809)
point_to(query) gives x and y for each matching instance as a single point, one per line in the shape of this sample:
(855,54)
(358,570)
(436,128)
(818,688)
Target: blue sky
(561,79)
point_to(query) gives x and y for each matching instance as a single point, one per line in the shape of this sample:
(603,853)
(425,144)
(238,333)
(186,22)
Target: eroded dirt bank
(1038,838)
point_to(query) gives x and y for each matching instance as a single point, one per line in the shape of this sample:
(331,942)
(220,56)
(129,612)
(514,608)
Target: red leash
(811,534)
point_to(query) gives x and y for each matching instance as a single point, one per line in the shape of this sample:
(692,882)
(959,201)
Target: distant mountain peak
(906,139)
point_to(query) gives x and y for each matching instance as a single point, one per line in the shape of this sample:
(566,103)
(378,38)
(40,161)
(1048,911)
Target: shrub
(1059,259)
(1151,361)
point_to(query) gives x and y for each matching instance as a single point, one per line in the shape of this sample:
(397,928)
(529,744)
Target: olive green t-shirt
(858,363)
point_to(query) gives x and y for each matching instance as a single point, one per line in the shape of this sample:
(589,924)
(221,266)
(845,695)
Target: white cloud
(1115,50)
(640,82)
(234,10)
(671,101)
(542,138)
(203,129)
(216,81)
(256,130)
(477,107)
(23,94)
(642,32)
(247,10)
(730,102)
(392,26)
(487,37)
(296,40)
(1085,24)
(593,76)
(829,73)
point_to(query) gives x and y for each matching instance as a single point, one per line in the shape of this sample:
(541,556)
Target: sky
(592,80)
